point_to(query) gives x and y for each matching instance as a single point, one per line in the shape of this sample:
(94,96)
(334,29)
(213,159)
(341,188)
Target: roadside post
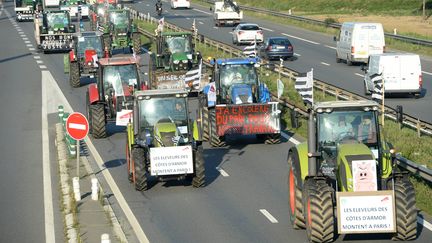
(77,127)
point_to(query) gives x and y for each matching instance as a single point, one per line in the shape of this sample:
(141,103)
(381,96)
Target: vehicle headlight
(56,29)
(176,61)
(185,61)
(238,101)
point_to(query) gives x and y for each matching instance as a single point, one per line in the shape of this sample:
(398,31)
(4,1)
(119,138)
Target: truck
(175,56)
(344,178)
(236,102)
(163,141)
(73,7)
(26,9)
(227,12)
(54,31)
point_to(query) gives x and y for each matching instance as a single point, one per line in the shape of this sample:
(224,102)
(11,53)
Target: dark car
(276,47)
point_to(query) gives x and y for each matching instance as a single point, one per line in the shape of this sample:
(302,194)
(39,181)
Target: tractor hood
(241,94)
(179,56)
(347,153)
(166,131)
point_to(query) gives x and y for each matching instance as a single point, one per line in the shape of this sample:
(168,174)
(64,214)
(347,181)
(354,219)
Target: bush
(329,21)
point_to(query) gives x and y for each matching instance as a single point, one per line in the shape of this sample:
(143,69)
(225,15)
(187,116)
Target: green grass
(405,140)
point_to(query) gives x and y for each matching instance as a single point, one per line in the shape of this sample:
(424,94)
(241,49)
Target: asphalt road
(245,199)
(313,50)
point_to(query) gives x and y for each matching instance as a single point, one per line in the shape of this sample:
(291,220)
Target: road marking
(214,27)
(27,42)
(176,14)
(36,57)
(187,18)
(39,61)
(222,172)
(425,223)
(20,32)
(426,73)
(297,55)
(331,47)
(147,4)
(32,49)
(25,38)
(295,37)
(324,63)
(267,29)
(23,35)
(42,67)
(269,216)
(77,126)
(48,201)
(202,11)
(200,22)
(360,75)
(230,32)
(29,45)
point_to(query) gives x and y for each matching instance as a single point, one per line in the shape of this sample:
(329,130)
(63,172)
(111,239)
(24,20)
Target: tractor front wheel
(295,195)
(97,112)
(215,140)
(139,169)
(107,42)
(318,211)
(136,43)
(406,212)
(205,123)
(199,177)
(74,74)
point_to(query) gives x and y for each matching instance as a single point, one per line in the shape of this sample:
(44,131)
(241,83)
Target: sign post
(77,127)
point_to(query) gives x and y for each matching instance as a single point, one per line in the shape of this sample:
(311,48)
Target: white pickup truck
(227,13)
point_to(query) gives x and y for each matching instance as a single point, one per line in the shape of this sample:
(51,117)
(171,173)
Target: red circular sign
(77,126)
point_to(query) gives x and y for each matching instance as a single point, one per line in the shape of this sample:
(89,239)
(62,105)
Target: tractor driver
(342,129)
(179,111)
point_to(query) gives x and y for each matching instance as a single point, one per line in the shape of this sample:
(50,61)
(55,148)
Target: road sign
(77,126)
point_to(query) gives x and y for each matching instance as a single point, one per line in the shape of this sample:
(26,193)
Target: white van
(401,73)
(357,41)
(180,4)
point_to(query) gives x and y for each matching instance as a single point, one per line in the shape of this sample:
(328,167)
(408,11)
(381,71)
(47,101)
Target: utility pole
(424,9)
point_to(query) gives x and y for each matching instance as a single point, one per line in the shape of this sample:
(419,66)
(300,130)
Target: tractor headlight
(56,29)
(176,61)
(185,61)
(375,108)
(319,110)
(62,29)
(328,110)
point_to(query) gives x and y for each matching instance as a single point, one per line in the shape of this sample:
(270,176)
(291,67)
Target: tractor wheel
(273,138)
(74,74)
(139,169)
(215,140)
(295,195)
(107,42)
(406,212)
(349,62)
(128,160)
(97,118)
(88,113)
(199,178)
(136,42)
(318,211)
(338,60)
(205,123)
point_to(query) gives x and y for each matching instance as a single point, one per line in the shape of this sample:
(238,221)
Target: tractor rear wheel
(139,168)
(406,212)
(97,112)
(199,178)
(205,123)
(318,211)
(136,42)
(74,74)
(273,138)
(295,195)
(215,140)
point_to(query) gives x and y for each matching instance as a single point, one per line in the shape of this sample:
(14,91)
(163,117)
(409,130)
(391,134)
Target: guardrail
(411,40)
(424,172)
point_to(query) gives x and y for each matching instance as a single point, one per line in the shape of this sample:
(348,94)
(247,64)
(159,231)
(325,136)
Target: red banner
(247,119)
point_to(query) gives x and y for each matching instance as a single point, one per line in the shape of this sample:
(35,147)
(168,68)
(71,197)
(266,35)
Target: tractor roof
(89,33)
(235,61)
(345,104)
(113,61)
(171,33)
(161,92)
(55,11)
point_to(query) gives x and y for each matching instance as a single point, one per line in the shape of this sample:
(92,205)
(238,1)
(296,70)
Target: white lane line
(42,67)
(267,29)
(36,57)
(48,201)
(297,55)
(426,73)
(29,45)
(331,47)
(202,11)
(230,32)
(324,63)
(214,27)
(39,61)
(360,75)
(425,223)
(32,49)
(20,32)
(200,22)
(269,216)
(295,37)
(105,172)
(222,172)
(187,18)
(22,36)
(77,126)
(27,42)
(25,38)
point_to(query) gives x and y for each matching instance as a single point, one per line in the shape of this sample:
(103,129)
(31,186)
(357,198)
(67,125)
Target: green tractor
(119,30)
(97,13)
(347,169)
(26,9)
(162,141)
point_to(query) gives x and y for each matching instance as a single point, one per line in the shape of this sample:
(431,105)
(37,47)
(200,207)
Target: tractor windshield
(237,74)
(90,43)
(155,110)
(57,20)
(120,80)
(178,44)
(119,18)
(344,126)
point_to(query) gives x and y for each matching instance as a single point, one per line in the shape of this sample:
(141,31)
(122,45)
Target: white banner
(171,160)
(123,117)
(365,212)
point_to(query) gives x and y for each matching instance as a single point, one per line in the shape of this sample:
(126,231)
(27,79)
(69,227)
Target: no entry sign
(77,126)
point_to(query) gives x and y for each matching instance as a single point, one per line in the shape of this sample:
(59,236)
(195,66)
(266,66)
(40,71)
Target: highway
(313,50)
(246,196)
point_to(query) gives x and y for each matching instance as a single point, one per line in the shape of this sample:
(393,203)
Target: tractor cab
(89,44)
(57,22)
(120,21)
(175,51)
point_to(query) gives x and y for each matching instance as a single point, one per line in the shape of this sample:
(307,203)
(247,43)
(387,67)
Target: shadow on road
(14,57)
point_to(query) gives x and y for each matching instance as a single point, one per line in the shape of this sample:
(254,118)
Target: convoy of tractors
(334,176)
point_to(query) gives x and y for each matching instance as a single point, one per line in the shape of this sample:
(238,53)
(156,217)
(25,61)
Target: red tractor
(111,98)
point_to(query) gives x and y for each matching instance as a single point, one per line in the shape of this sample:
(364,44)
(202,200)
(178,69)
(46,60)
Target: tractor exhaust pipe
(312,164)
